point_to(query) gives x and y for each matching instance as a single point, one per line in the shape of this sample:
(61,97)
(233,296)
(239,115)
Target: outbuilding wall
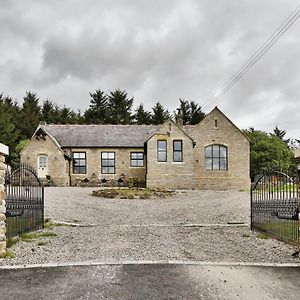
(57,163)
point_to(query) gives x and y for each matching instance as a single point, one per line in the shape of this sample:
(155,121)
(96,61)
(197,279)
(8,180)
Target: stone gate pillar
(3,153)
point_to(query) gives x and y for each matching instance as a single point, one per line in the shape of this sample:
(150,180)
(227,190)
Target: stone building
(213,154)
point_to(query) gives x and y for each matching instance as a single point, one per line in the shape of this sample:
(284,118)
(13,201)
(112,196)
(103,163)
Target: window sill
(208,170)
(136,167)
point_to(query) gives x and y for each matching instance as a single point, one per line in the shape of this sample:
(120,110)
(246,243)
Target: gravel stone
(150,229)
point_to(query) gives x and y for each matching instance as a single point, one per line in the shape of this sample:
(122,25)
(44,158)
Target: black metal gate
(24,201)
(275,206)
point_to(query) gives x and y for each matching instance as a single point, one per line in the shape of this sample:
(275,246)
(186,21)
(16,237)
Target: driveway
(191,226)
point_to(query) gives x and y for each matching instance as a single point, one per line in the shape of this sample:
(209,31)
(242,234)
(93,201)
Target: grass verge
(9,254)
(12,241)
(29,236)
(263,236)
(286,229)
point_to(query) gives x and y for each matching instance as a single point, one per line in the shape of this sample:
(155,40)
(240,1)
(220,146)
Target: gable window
(79,163)
(136,159)
(108,162)
(177,151)
(216,157)
(216,123)
(162,151)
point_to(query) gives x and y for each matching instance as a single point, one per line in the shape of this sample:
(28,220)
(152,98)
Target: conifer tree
(48,112)
(196,113)
(185,110)
(8,132)
(280,134)
(66,116)
(159,114)
(98,112)
(142,116)
(120,107)
(191,112)
(30,114)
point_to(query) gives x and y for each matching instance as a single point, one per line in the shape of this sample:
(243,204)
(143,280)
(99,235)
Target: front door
(42,166)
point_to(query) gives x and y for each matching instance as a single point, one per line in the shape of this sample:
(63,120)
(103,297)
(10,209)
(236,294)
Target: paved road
(157,281)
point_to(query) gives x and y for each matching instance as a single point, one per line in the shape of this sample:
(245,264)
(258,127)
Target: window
(216,157)
(136,159)
(162,151)
(42,166)
(79,162)
(216,123)
(42,161)
(177,151)
(108,162)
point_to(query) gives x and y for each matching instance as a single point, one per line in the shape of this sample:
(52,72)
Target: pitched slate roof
(100,135)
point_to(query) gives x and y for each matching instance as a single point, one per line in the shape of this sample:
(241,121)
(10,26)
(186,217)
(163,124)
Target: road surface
(156,281)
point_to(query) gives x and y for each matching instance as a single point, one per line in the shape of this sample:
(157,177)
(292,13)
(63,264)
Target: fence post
(3,153)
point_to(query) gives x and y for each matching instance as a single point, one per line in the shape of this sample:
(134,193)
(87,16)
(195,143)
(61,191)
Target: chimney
(179,117)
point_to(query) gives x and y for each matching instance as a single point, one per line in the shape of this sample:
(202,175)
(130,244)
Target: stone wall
(170,174)
(57,163)
(214,129)
(60,169)
(93,166)
(3,152)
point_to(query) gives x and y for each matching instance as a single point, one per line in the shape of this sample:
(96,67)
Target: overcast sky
(156,51)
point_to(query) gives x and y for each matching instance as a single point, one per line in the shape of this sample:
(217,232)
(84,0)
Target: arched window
(216,157)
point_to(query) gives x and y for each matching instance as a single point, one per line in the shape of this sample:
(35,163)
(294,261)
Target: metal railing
(24,201)
(275,206)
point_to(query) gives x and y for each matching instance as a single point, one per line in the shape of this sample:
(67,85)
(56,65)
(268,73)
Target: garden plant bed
(133,193)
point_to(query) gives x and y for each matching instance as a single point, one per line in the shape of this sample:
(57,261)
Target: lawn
(283,229)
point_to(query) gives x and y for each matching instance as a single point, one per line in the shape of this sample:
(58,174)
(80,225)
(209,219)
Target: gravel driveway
(193,225)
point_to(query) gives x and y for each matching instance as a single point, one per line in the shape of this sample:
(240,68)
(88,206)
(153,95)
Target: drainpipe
(69,172)
(146,162)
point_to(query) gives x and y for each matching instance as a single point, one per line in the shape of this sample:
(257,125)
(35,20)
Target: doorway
(42,166)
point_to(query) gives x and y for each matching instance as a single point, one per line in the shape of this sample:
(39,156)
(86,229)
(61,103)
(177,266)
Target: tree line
(19,121)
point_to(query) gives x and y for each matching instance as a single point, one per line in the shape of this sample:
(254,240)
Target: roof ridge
(94,125)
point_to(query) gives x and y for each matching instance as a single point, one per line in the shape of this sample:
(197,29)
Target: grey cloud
(156,50)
